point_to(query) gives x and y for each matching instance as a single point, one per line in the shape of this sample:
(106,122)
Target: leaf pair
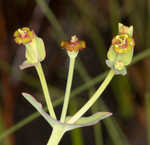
(82,122)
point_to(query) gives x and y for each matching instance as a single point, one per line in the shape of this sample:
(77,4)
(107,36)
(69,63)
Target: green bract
(35,51)
(82,122)
(121,50)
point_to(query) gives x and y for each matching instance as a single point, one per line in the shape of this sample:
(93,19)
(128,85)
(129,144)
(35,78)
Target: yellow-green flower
(35,49)
(118,65)
(24,35)
(122,43)
(73,45)
(121,50)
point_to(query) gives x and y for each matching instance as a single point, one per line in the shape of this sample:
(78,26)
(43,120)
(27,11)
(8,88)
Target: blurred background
(96,22)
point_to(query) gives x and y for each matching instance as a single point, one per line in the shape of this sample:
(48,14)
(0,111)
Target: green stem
(68,88)
(93,98)
(147,104)
(56,136)
(96,128)
(76,134)
(45,90)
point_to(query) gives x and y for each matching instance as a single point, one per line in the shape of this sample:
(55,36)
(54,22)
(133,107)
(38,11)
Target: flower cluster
(121,50)
(35,49)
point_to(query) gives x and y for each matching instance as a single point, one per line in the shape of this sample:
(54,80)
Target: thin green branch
(147,104)
(93,99)
(97,128)
(141,55)
(45,90)
(76,134)
(68,88)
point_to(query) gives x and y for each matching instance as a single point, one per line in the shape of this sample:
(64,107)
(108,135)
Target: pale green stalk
(76,134)
(56,136)
(98,134)
(45,90)
(96,128)
(93,98)
(68,88)
(147,105)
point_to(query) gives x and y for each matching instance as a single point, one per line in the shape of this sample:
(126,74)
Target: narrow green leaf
(91,120)
(39,108)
